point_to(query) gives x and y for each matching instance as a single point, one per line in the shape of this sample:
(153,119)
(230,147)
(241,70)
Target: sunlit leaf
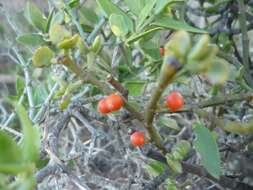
(42,57)
(58,33)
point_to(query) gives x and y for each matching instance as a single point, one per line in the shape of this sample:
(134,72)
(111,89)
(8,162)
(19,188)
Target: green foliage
(89,15)
(168,122)
(73,3)
(69,43)
(170,23)
(10,151)
(135,87)
(110,8)
(145,12)
(36,17)
(20,84)
(31,39)
(118,25)
(20,160)
(58,33)
(178,152)
(84,48)
(135,7)
(27,184)
(207,148)
(42,57)
(31,139)
(219,71)
(155,168)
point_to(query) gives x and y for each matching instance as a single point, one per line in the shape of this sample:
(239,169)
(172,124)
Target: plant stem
(245,39)
(169,69)
(89,78)
(95,31)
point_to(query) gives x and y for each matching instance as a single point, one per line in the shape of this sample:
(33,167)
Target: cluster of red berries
(109,104)
(114,102)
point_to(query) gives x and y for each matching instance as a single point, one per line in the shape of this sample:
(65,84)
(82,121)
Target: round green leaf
(218,72)
(42,57)
(58,33)
(118,25)
(69,43)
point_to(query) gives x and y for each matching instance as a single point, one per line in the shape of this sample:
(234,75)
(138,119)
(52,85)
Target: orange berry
(102,107)
(137,139)
(175,101)
(114,102)
(162,51)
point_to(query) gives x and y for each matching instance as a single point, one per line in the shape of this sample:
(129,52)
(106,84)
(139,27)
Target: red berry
(137,139)
(175,101)
(162,51)
(114,102)
(102,107)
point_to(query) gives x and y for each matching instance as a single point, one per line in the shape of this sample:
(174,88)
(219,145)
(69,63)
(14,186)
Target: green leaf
(168,122)
(27,184)
(135,7)
(175,165)
(118,25)
(20,85)
(155,168)
(207,147)
(219,71)
(42,57)
(31,138)
(170,23)
(138,36)
(35,17)
(135,87)
(109,8)
(1,30)
(145,12)
(40,94)
(58,33)
(49,20)
(57,19)
(15,168)
(31,39)
(73,3)
(89,15)
(9,150)
(161,4)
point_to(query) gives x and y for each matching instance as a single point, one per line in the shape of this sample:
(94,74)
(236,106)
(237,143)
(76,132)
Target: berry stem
(88,78)
(169,69)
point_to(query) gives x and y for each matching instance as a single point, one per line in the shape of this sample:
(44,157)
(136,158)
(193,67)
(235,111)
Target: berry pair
(109,104)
